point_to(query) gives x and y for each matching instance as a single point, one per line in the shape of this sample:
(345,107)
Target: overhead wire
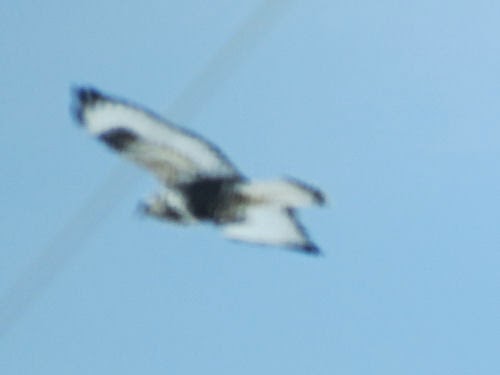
(52,259)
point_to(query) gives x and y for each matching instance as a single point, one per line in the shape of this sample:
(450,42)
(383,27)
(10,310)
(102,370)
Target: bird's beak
(143,209)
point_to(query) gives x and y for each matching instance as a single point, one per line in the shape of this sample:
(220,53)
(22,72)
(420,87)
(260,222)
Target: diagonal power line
(227,59)
(70,239)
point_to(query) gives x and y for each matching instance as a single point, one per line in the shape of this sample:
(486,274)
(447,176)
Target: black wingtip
(311,249)
(87,95)
(318,196)
(84,97)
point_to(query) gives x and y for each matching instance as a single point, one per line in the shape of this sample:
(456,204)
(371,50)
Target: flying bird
(199,183)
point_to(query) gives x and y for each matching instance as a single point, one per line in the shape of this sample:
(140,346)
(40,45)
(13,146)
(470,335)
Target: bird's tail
(285,192)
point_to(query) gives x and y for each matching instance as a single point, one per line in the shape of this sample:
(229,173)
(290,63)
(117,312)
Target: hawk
(199,183)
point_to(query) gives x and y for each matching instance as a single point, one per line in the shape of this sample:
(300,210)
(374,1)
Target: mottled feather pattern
(199,183)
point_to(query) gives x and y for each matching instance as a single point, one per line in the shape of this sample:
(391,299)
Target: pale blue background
(392,107)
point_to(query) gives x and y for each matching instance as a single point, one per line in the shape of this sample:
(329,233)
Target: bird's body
(200,184)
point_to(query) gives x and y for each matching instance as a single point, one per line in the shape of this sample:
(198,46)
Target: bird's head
(168,206)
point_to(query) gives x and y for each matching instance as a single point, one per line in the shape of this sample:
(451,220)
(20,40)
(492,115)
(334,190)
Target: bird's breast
(211,199)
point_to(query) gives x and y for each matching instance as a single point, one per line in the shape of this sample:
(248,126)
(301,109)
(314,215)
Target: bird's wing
(270,225)
(173,154)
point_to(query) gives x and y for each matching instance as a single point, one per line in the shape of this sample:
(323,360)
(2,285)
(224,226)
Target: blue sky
(390,107)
